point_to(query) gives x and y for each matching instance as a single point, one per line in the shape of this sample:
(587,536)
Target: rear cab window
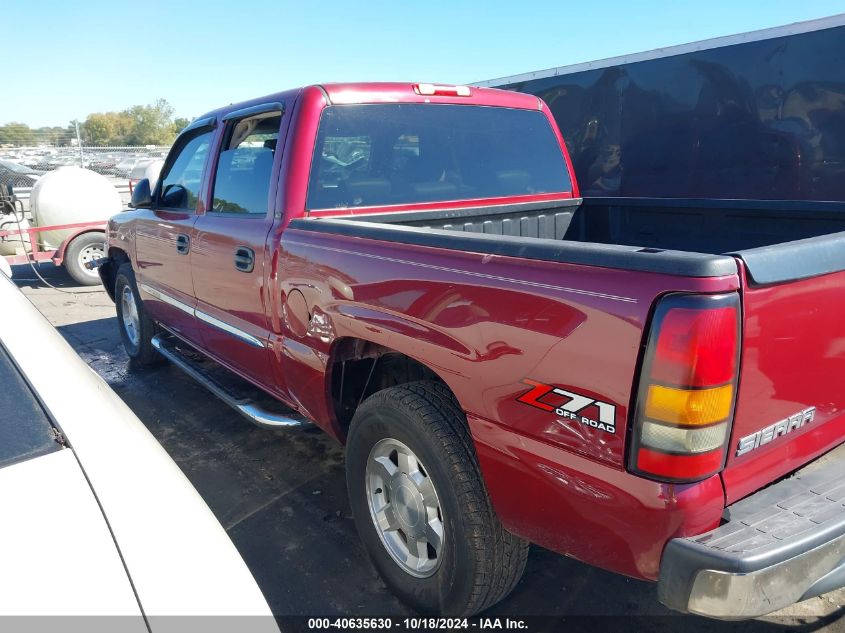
(25,429)
(388,154)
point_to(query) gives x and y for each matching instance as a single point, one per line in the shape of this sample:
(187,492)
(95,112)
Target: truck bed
(787,260)
(777,240)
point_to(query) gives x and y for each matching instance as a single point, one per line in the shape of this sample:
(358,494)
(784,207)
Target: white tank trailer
(70,195)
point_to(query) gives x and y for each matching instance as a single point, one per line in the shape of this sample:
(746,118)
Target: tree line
(152,124)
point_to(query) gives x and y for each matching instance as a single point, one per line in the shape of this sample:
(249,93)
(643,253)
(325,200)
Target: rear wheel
(136,327)
(420,505)
(81,250)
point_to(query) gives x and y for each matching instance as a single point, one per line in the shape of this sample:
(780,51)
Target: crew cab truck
(650,386)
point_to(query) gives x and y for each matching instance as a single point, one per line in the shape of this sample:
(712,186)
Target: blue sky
(74,58)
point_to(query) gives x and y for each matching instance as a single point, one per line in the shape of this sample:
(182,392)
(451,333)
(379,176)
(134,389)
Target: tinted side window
(181,185)
(242,181)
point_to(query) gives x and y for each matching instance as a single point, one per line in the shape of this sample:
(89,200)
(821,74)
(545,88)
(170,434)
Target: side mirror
(142,197)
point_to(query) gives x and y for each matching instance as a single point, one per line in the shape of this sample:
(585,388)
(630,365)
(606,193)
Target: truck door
(164,238)
(230,278)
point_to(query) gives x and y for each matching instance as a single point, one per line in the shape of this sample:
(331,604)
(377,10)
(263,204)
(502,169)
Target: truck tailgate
(791,394)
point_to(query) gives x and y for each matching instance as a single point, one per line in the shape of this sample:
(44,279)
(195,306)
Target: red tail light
(687,389)
(696,348)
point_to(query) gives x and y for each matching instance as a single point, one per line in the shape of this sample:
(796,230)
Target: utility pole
(79,143)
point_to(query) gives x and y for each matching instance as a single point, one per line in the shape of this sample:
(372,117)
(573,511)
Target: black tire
(84,248)
(140,350)
(481,562)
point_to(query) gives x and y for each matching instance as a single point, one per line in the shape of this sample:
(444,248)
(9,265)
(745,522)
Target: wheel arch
(357,368)
(59,256)
(108,272)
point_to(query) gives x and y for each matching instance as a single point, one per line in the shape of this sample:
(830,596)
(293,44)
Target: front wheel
(420,505)
(136,327)
(85,248)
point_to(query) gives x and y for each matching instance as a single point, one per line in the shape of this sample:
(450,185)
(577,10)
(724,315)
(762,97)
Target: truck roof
(394,92)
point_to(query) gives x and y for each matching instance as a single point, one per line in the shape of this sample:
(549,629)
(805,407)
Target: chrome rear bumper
(781,545)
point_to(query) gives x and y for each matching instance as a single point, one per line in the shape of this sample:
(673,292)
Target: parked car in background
(103,164)
(148,168)
(17,175)
(125,165)
(97,519)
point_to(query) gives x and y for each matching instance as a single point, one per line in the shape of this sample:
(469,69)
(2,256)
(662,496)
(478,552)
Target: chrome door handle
(244,259)
(183,244)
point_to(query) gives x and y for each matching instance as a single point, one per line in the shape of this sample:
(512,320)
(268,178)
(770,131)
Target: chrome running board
(258,407)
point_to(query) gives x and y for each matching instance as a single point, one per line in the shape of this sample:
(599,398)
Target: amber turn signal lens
(691,407)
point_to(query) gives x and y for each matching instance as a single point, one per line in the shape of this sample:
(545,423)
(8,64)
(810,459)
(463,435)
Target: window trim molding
(261,108)
(209,122)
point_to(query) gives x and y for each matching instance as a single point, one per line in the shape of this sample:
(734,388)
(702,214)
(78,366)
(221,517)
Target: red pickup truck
(650,386)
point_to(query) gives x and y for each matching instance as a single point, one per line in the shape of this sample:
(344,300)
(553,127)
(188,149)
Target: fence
(109,161)
(20,167)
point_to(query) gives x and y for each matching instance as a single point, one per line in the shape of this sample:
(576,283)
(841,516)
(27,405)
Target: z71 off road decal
(571,405)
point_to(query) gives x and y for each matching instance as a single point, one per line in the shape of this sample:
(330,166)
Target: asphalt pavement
(282,498)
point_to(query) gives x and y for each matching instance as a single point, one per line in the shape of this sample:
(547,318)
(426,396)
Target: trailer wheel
(420,504)
(136,327)
(82,249)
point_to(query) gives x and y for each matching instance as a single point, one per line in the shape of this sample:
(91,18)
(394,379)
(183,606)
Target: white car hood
(57,556)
